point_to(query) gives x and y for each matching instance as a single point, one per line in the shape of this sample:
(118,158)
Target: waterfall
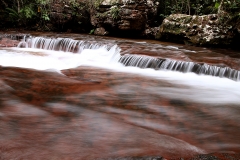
(181,66)
(93,51)
(69,53)
(62,44)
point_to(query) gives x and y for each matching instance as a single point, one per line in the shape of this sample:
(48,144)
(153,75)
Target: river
(76,96)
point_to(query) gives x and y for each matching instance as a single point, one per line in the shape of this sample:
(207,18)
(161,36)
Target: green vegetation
(29,13)
(197,7)
(26,12)
(36,13)
(115,12)
(75,7)
(20,13)
(43,9)
(228,10)
(96,3)
(92,31)
(20,16)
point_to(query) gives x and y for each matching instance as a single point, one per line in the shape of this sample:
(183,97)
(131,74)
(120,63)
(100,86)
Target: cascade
(181,66)
(78,90)
(62,44)
(92,49)
(69,53)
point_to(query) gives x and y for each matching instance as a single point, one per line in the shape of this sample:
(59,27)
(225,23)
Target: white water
(57,60)
(198,88)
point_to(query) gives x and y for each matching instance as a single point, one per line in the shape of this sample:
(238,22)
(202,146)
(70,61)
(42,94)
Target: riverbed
(70,96)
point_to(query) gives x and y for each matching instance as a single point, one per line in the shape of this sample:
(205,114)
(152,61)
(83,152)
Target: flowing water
(71,96)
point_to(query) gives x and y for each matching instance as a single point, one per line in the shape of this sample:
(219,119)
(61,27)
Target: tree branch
(5,4)
(220,7)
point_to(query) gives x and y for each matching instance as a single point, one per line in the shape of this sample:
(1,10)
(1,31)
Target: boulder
(150,32)
(206,30)
(123,16)
(100,31)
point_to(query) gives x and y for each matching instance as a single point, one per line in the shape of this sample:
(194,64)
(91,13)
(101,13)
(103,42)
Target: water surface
(84,104)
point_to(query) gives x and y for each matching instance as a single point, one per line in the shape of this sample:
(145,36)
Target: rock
(150,32)
(123,16)
(66,14)
(7,42)
(198,30)
(100,31)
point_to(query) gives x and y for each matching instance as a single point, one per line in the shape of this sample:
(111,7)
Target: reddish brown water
(93,113)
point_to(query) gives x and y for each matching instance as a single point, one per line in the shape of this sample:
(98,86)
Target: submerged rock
(197,30)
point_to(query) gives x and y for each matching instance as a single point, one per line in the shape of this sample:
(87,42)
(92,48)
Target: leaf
(217,5)
(10,10)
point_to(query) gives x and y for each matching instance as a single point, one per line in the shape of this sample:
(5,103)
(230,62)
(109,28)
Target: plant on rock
(114,11)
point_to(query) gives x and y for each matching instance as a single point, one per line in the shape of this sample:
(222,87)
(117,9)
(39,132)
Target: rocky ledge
(206,30)
(132,18)
(123,17)
(11,40)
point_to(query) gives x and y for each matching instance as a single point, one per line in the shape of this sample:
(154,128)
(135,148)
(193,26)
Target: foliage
(25,12)
(96,3)
(43,9)
(75,7)
(13,14)
(231,6)
(92,31)
(115,12)
(22,15)
(198,7)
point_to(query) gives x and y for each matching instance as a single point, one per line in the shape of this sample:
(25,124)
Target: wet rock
(197,30)
(123,17)
(138,158)
(46,115)
(7,42)
(215,156)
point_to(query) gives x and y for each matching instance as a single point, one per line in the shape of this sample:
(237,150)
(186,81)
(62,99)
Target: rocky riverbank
(128,18)
(137,19)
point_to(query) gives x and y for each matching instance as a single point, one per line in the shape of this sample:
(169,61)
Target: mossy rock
(206,30)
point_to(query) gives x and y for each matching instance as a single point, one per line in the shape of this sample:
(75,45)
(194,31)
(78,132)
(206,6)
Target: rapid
(73,96)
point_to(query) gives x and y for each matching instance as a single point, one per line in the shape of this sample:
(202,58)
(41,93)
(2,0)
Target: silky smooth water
(204,89)
(67,102)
